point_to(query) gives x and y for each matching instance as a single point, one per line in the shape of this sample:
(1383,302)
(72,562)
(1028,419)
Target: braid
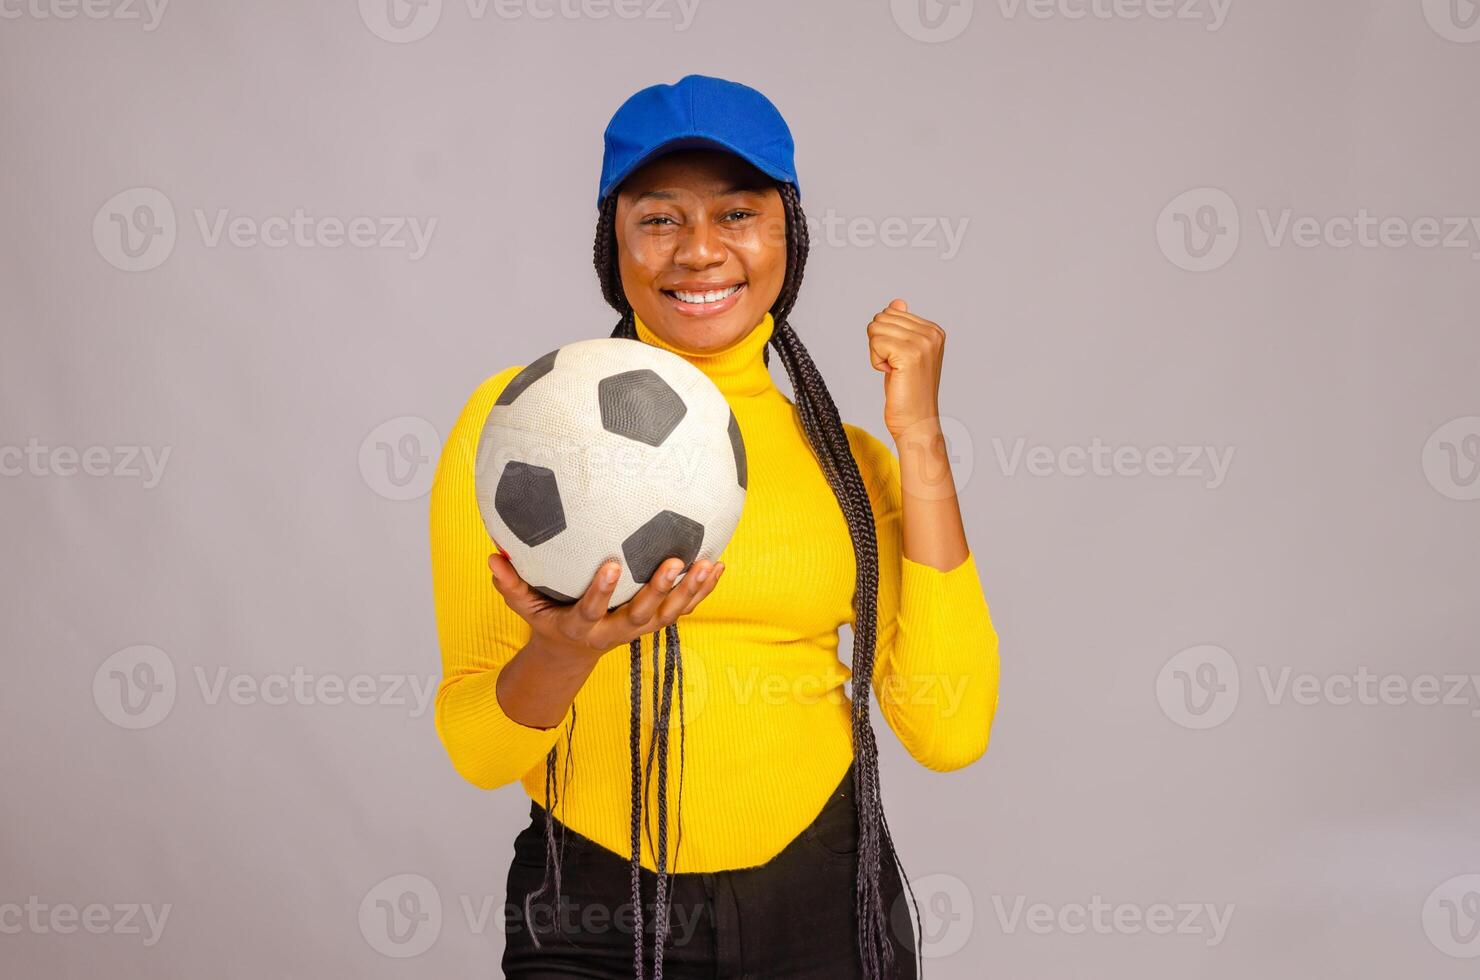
(824,429)
(660,736)
(554,856)
(604,253)
(634,729)
(829,441)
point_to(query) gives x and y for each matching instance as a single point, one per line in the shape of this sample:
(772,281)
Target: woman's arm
(936,662)
(478,631)
(937,665)
(539,685)
(932,529)
(513,661)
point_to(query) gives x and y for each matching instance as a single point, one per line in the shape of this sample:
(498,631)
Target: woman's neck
(738,370)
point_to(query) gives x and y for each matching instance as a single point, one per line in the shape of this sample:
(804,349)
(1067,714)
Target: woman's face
(701,247)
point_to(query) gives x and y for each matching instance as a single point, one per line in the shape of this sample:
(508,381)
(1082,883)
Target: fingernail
(611,575)
(701,576)
(719,568)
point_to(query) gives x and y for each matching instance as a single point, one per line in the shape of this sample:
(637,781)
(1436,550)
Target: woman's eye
(738,215)
(657,219)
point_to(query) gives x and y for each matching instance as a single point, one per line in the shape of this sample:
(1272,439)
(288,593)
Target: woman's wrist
(552,655)
(537,686)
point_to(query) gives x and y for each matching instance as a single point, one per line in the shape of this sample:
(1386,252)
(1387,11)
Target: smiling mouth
(702,301)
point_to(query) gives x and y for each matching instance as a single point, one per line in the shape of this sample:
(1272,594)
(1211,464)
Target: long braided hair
(824,430)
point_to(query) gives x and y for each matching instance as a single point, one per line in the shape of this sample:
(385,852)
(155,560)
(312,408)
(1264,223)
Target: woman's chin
(703,335)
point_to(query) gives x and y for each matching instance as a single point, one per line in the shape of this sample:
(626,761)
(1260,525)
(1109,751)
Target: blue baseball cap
(697,111)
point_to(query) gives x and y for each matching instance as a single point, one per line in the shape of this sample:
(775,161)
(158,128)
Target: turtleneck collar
(737,370)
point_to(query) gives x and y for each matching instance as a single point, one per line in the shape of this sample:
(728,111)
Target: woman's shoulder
(492,386)
(461,446)
(476,405)
(865,444)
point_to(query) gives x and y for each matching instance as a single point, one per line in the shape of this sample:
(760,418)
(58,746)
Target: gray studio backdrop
(1209,274)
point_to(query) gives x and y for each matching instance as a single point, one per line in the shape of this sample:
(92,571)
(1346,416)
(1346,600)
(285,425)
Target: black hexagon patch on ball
(640,405)
(528,501)
(553,594)
(737,446)
(667,535)
(534,372)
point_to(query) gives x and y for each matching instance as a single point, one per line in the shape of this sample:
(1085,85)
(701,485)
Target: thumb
(515,591)
(504,575)
(900,305)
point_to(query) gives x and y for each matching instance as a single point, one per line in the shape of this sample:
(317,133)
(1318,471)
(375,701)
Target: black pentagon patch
(541,367)
(737,445)
(528,500)
(668,535)
(639,405)
(552,594)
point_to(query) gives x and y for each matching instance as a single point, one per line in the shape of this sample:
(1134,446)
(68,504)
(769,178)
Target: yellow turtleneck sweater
(767,727)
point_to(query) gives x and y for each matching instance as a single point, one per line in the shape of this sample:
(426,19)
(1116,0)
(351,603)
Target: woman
(782,860)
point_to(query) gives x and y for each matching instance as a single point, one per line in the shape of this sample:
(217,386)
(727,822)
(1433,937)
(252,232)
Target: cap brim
(693,142)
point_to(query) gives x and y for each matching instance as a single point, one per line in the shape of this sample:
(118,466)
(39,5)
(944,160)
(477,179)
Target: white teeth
(713,296)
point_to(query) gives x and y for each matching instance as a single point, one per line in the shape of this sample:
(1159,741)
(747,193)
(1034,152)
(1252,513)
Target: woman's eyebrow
(737,188)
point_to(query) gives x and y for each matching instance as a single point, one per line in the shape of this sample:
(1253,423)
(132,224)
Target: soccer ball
(608,448)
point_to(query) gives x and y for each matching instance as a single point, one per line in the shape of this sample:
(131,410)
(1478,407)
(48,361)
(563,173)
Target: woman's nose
(699,247)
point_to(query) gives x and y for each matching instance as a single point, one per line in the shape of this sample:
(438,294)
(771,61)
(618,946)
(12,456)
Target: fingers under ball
(663,578)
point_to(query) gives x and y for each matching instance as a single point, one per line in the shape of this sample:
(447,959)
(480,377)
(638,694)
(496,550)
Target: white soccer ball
(608,448)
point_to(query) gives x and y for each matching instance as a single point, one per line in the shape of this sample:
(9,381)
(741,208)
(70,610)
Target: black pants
(790,917)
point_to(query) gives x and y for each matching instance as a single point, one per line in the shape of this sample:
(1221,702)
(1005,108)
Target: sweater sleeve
(478,631)
(936,664)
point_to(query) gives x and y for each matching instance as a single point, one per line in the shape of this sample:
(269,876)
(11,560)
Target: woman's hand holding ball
(585,628)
